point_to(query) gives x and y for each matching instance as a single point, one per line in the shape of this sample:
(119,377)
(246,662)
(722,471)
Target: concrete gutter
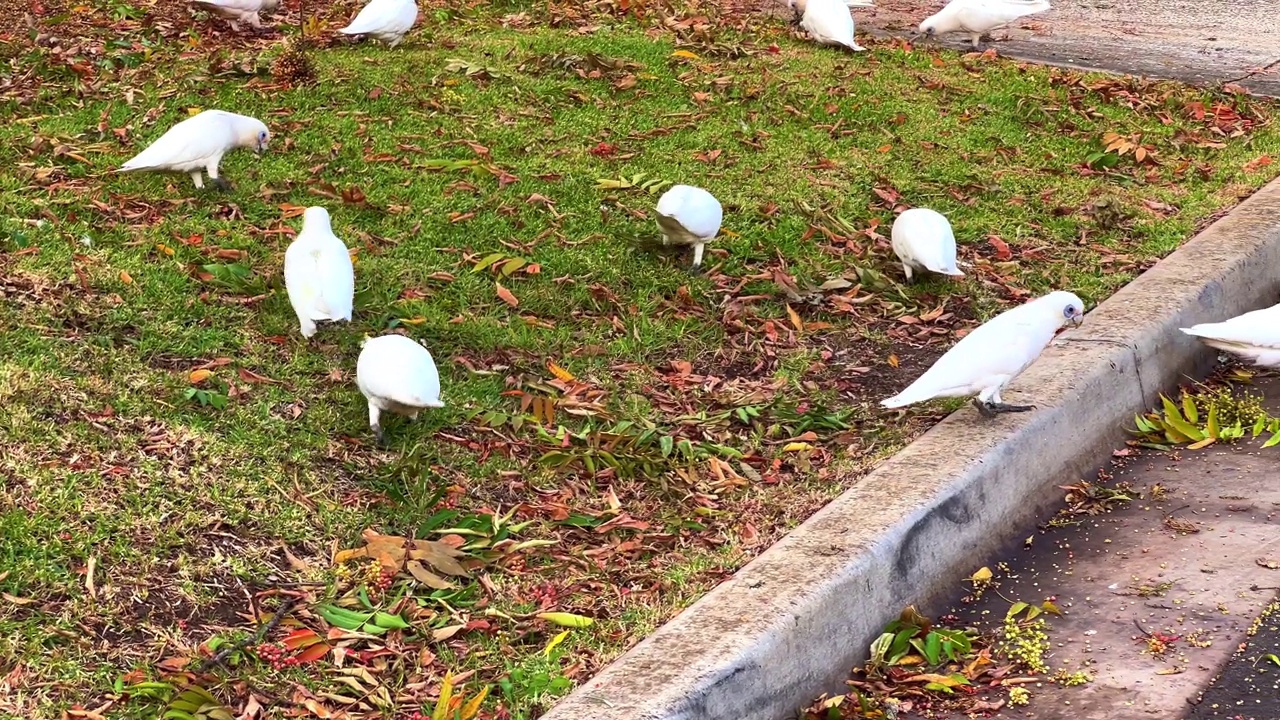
(789,625)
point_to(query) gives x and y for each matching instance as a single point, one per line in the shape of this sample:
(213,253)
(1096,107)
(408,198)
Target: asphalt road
(1194,562)
(1204,42)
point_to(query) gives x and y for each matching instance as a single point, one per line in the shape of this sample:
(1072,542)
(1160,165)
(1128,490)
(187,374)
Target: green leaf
(389,620)
(488,260)
(1259,426)
(880,647)
(1016,608)
(564,619)
(1273,659)
(1189,409)
(1272,441)
(933,648)
(1212,427)
(939,687)
(512,265)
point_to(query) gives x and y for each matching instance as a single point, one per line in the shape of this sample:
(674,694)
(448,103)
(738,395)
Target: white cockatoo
(385,20)
(688,215)
(318,273)
(238,11)
(996,352)
(978,17)
(397,375)
(922,240)
(198,143)
(1255,336)
(828,22)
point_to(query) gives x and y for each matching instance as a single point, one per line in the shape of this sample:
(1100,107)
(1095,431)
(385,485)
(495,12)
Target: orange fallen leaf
(126,278)
(199,376)
(506,295)
(559,372)
(893,361)
(795,318)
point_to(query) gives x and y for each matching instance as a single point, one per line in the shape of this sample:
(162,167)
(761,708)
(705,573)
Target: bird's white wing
(401,370)
(696,210)
(192,140)
(924,238)
(990,14)
(1258,328)
(996,351)
(337,280)
(301,279)
(378,16)
(248,6)
(829,20)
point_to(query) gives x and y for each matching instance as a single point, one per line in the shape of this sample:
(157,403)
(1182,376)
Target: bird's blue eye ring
(1069,311)
(262,135)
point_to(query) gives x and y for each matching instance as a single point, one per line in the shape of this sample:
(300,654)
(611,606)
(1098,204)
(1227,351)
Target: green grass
(186,510)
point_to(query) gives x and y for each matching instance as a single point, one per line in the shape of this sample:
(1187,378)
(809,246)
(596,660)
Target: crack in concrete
(1264,70)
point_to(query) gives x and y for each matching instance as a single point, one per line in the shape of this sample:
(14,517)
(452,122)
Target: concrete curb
(790,624)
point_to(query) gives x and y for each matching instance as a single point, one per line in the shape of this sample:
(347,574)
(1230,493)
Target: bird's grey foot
(380,436)
(221,184)
(696,270)
(991,409)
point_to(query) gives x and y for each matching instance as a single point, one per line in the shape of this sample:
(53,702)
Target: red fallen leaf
(708,156)
(604,149)
(888,195)
(301,638)
(457,217)
(1259,162)
(505,178)
(412,294)
(1001,247)
(375,93)
(134,676)
(253,377)
(173,664)
(313,652)
(213,364)
(506,295)
(532,269)
(774,49)
(441,276)
(353,195)
(477,148)
(884,148)
(287,211)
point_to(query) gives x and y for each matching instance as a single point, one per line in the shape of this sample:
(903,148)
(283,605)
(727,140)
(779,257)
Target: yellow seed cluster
(1066,679)
(1019,696)
(1026,643)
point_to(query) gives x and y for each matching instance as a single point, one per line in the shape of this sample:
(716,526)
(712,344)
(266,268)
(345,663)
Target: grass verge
(620,435)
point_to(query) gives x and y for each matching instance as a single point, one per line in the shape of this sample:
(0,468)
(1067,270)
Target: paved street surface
(1193,560)
(1203,42)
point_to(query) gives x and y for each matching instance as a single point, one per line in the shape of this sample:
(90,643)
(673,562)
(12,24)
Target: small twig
(1171,513)
(1256,588)
(263,631)
(1139,626)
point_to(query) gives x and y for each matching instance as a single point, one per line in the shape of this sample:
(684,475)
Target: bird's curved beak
(914,36)
(1077,320)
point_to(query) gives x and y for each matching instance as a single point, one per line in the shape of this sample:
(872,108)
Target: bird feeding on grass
(198,144)
(238,11)
(387,21)
(1254,336)
(922,240)
(689,216)
(978,17)
(318,273)
(828,22)
(996,352)
(396,375)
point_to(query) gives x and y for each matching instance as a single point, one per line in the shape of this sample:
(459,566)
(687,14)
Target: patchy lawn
(619,436)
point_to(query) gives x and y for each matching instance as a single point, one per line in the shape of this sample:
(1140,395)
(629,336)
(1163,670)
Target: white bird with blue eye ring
(198,144)
(989,358)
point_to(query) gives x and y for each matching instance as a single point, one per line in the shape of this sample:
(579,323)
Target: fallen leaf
(126,278)
(564,619)
(984,574)
(795,318)
(506,295)
(198,376)
(1268,563)
(1001,247)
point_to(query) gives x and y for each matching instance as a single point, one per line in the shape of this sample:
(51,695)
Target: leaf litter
(584,481)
